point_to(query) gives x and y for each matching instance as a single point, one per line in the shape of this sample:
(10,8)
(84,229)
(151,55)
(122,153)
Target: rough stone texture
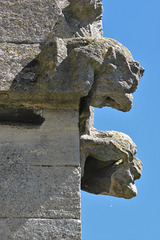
(86,114)
(54,142)
(39,174)
(13,58)
(40,20)
(25,27)
(40,229)
(108,164)
(39,192)
(102,69)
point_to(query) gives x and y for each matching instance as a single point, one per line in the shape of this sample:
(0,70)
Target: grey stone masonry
(38,21)
(40,178)
(39,147)
(39,229)
(31,144)
(55,67)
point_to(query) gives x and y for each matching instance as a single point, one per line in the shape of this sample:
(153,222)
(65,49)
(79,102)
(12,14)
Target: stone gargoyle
(108,164)
(99,72)
(90,73)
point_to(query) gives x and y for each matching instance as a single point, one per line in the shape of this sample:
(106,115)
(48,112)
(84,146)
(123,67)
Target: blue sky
(135,24)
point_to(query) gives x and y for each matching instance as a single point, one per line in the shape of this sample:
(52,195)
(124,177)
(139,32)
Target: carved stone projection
(108,164)
(55,68)
(68,69)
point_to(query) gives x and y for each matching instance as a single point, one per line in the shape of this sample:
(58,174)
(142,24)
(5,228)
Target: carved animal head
(107,69)
(108,164)
(117,78)
(122,180)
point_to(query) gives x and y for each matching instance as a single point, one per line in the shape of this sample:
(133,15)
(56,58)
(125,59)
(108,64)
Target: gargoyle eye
(134,69)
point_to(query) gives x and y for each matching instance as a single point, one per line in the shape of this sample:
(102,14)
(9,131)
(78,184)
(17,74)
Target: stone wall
(54,68)
(40,157)
(40,178)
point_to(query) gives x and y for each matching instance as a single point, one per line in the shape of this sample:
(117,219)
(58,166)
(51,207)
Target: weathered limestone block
(51,139)
(13,58)
(39,192)
(85,16)
(86,117)
(25,27)
(39,174)
(40,20)
(108,164)
(40,229)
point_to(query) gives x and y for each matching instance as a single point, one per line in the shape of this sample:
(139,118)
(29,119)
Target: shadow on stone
(13,116)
